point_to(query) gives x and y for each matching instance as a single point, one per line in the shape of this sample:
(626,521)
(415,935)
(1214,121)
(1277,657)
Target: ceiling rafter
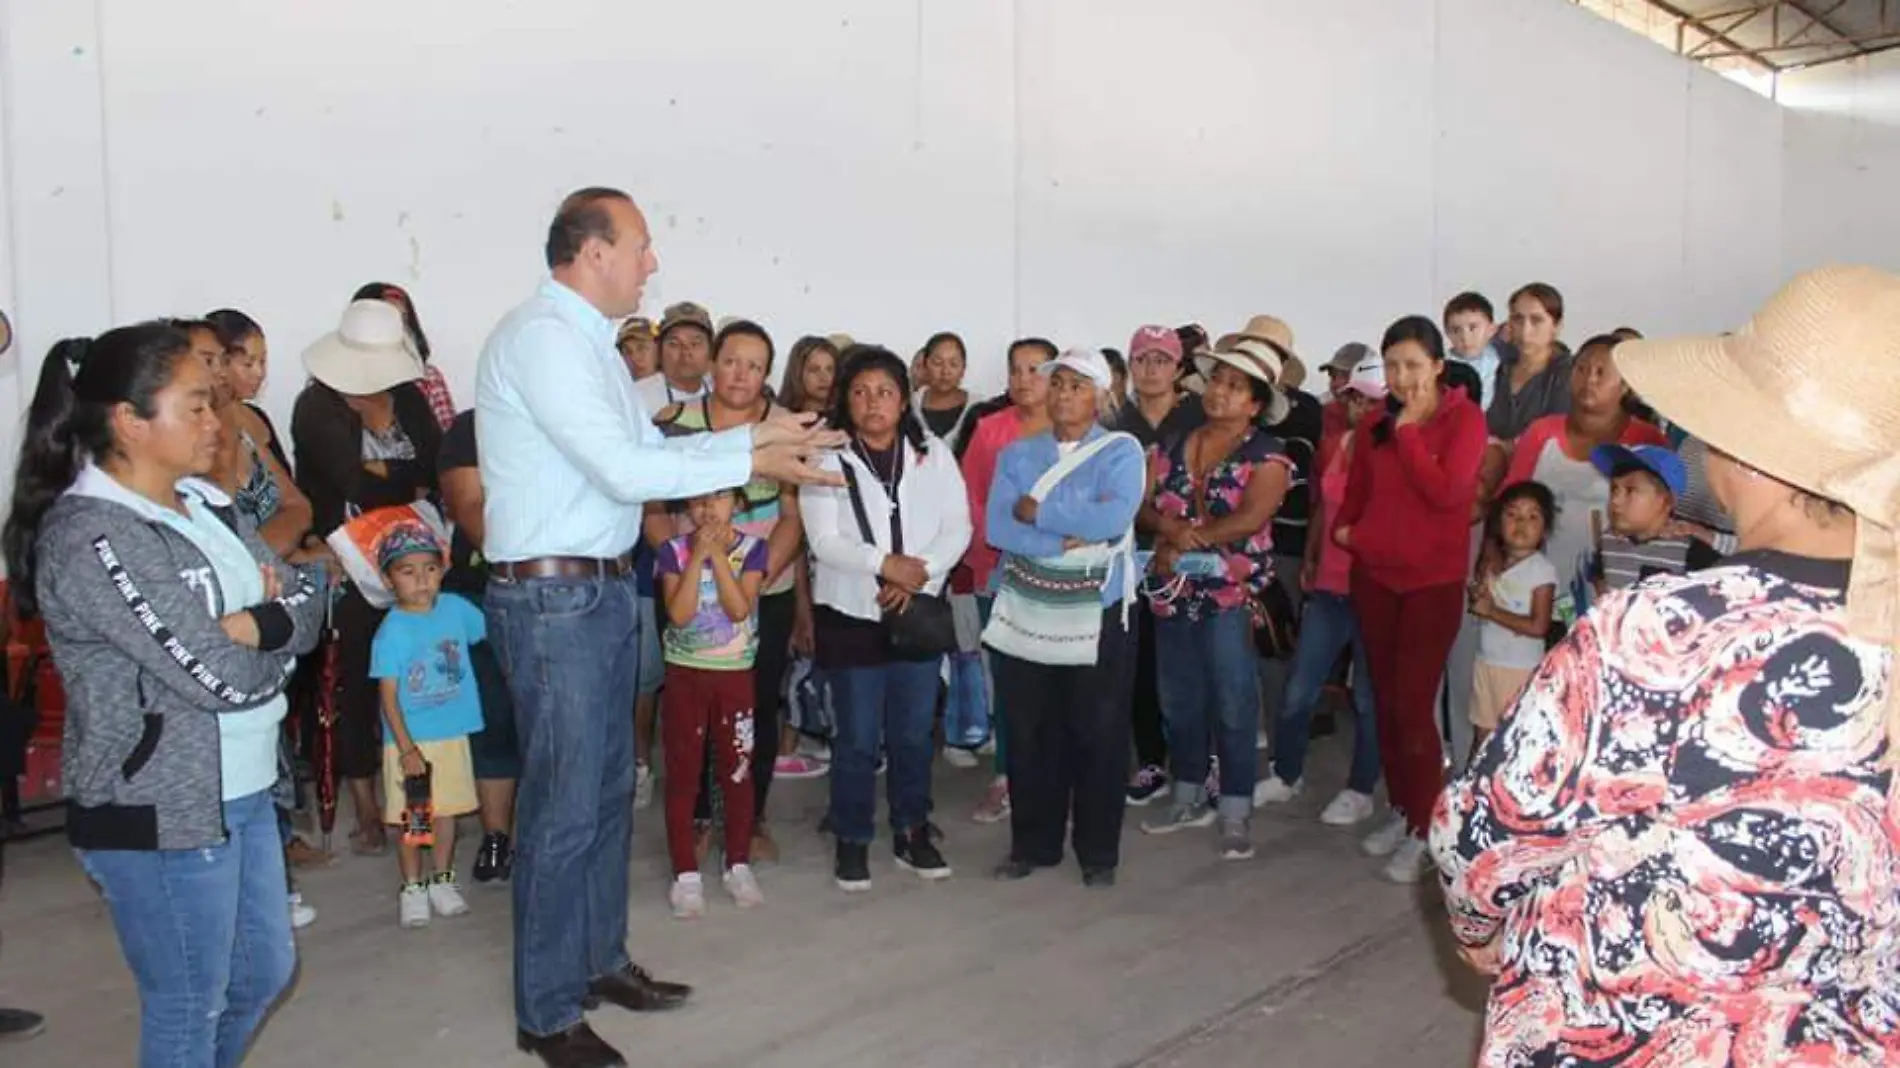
(1771,36)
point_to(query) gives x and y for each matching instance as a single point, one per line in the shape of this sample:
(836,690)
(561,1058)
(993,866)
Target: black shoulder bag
(925,629)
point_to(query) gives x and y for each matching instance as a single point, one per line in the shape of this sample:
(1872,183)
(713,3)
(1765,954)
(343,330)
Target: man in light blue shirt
(568,459)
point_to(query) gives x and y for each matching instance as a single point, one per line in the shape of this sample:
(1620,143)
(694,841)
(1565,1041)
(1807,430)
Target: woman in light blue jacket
(1062,510)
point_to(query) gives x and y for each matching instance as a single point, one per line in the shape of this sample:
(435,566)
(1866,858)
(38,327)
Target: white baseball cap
(1368,378)
(1088,363)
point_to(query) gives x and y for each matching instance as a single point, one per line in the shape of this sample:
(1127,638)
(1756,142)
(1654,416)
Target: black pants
(1068,752)
(359,722)
(776,615)
(1151,739)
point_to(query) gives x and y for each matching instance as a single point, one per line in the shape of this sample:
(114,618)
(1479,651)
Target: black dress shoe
(636,991)
(1098,877)
(1012,869)
(20,1024)
(576,1047)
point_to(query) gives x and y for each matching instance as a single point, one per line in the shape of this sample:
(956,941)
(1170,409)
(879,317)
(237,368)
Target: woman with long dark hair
(1407,520)
(810,369)
(886,539)
(365,438)
(433,386)
(173,627)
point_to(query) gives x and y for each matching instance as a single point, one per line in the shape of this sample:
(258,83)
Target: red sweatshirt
(1408,500)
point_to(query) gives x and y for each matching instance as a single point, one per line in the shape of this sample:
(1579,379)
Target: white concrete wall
(1841,164)
(1064,167)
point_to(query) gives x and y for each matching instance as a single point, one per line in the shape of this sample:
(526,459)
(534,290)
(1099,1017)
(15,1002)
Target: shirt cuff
(274,626)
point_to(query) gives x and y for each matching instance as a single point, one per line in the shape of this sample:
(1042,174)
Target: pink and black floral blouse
(1679,847)
(1248,564)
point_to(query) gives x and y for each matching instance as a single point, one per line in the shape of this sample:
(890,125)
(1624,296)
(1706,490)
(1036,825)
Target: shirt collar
(94,482)
(575,309)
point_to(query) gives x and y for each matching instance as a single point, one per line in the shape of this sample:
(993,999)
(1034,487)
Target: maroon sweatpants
(696,702)
(1408,638)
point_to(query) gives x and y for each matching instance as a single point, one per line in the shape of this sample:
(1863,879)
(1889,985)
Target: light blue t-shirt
(1486,364)
(427,654)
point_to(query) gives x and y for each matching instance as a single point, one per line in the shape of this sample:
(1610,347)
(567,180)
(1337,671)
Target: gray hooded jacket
(132,609)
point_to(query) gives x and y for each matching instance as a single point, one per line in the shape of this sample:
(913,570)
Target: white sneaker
(445,897)
(1408,861)
(1274,790)
(1382,842)
(688,897)
(301,915)
(1261,739)
(959,758)
(1347,808)
(413,906)
(744,887)
(642,785)
(987,748)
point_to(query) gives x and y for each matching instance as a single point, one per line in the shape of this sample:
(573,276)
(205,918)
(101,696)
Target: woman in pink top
(1026,416)
(1327,626)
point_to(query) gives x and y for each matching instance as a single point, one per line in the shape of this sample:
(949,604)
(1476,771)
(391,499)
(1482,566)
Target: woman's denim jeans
(1210,689)
(207,934)
(1327,627)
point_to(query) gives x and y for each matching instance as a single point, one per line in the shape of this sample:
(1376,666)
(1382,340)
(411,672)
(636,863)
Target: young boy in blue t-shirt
(430,707)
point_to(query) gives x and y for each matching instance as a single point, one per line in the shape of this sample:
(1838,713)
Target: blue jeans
(570,649)
(1210,689)
(1327,627)
(896,701)
(207,935)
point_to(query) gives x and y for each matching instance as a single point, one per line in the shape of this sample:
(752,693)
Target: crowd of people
(1585,572)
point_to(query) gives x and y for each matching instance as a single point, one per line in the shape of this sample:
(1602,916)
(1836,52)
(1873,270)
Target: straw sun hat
(1255,359)
(1808,393)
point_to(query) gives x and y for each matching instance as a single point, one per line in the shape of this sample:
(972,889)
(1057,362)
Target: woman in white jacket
(884,544)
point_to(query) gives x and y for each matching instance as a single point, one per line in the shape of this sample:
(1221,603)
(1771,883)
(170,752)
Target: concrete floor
(1299,957)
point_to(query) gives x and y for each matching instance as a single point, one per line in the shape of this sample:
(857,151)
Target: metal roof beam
(1706,30)
(1857,46)
(1815,18)
(1725,33)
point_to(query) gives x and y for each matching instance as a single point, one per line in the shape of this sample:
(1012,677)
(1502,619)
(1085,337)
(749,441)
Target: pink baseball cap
(1155,339)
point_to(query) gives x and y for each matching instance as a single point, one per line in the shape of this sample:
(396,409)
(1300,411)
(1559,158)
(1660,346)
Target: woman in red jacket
(1407,521)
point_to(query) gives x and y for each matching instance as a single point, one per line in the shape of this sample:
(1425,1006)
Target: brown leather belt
(542,567)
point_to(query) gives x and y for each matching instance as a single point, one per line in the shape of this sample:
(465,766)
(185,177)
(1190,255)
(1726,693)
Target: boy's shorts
(451,780)
(1493,689)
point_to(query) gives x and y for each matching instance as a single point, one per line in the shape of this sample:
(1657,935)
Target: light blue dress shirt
(568,454)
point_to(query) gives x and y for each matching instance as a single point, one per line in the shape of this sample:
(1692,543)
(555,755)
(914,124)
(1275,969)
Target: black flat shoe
(576,1047)
(19,1024)
(1098,877)
(636,991)
(1011,870)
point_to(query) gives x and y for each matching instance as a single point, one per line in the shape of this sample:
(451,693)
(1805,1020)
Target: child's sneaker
(743,887)
(1409,861)
(688,897)
(445,896)
(413,905)
(301,915)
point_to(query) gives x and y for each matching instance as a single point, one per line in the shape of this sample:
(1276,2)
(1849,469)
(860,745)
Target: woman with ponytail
(173,627)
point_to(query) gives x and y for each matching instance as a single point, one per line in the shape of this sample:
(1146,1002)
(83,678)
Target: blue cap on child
(1655,459)
(406,539)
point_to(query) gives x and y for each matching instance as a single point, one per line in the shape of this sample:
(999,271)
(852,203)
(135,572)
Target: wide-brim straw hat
(1808,393)
(1275,332)
(1254,359)
(369,351)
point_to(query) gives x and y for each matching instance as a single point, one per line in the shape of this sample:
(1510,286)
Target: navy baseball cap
(1655,459)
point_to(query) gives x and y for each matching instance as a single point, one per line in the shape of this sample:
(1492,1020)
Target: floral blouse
(1247,564)
(1678,848)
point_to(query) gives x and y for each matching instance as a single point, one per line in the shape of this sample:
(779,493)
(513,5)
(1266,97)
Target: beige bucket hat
(1809,393)
(1277,333)
(369,351)
(1255,359)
